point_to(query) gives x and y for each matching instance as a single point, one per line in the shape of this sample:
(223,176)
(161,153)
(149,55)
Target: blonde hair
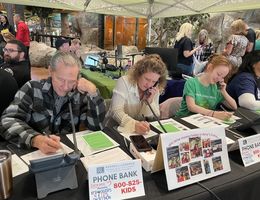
(238,27)
(184,30)
(150,63)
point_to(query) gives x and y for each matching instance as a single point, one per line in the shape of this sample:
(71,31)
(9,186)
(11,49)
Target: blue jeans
(186,69)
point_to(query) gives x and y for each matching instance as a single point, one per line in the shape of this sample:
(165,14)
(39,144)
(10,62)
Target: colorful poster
(250,149)
(121,180)
(194,155)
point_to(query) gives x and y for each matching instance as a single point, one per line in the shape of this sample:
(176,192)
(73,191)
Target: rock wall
(218,25)
(40,54)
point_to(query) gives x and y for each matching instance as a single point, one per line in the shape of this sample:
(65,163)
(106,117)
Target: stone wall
(218,25)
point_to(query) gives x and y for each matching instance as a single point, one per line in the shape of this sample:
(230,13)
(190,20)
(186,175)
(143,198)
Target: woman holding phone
(143,83)
(202,94)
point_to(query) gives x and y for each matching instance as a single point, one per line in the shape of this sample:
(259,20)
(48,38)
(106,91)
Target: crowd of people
(41,107)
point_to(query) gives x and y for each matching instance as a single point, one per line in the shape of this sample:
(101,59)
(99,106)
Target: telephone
(250,128)
(146,92)
(140,143)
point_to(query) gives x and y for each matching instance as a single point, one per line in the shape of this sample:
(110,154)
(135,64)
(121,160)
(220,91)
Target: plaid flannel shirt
(33,112)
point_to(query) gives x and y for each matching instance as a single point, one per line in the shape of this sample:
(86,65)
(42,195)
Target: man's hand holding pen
(47,143)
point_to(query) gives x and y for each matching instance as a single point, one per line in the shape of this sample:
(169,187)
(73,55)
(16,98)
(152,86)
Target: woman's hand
(222,115)
(222,86)
(150,94)
(142,127)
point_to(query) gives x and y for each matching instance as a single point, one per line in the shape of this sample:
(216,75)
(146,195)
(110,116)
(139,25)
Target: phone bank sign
(127,182)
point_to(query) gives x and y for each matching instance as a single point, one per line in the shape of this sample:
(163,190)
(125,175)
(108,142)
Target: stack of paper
(109,156)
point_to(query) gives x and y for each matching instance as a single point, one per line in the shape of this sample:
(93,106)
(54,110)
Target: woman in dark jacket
(5,26)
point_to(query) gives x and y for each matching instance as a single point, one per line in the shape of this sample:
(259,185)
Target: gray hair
(66,58)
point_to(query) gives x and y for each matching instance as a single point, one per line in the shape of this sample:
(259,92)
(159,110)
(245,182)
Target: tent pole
(149,30)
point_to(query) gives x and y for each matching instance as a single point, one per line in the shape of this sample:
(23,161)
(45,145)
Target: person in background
(8,88)
(245,85)
(257,41)
(5,27)
(185,49)
(62,44)
(22,31)
(206,46)
(251,36)
(41,107)
(16,61)
(75,48)
(237,44)
(202,94)
(143,82)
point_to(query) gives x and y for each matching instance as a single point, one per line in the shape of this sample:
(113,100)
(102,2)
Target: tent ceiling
(146,8)
(168,8)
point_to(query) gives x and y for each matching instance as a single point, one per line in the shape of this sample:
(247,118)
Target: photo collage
(195,156)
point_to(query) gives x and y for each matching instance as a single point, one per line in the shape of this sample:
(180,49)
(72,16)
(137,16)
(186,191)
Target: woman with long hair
(185,49)
(202,94)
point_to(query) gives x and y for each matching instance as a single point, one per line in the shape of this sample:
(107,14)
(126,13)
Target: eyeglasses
(5,50)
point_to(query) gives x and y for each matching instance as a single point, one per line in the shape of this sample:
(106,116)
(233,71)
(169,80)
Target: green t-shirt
(207,97)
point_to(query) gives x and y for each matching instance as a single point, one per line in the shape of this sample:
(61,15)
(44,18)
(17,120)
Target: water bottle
(6,178)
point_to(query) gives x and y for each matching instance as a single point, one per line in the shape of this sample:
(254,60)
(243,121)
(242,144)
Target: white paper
(109,156)
(202,121)
(194,155)
(38,154)
(121,180)
(84,147)
(18,166)
(250,149)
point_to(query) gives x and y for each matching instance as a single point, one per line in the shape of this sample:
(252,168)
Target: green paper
(168,127)
(97,140)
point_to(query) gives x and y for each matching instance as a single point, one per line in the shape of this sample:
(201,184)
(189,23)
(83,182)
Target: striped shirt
(33,112)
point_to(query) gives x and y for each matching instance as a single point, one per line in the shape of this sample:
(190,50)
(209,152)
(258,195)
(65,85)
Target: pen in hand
(61,147)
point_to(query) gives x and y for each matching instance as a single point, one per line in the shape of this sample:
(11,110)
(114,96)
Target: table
(104,83)
(239,184)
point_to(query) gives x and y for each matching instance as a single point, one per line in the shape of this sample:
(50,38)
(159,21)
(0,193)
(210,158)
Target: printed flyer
(250,149)
(194,155)
(121,180)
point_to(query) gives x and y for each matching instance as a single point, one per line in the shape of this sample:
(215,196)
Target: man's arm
(95,111)
(15,117)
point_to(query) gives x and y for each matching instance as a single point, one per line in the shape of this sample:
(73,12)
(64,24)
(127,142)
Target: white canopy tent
(145,8)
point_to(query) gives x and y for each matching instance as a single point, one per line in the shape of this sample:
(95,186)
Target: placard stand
(57,172)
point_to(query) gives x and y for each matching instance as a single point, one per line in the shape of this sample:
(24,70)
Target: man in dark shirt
(16,61)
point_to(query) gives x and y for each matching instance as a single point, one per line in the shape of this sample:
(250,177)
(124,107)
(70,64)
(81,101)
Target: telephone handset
(146,92)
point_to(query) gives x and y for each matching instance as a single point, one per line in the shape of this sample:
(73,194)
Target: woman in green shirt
(202,94)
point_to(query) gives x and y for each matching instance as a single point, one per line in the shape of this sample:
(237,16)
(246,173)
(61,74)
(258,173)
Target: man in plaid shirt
(41,107)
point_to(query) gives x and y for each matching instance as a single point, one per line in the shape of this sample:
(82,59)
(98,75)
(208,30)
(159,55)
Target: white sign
(250,149)
(194,155)
(120,180)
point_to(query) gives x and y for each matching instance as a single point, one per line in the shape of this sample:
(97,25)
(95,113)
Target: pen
(222,107)
(62,148)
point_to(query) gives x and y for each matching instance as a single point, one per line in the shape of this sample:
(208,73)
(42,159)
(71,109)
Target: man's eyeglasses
(5,50)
